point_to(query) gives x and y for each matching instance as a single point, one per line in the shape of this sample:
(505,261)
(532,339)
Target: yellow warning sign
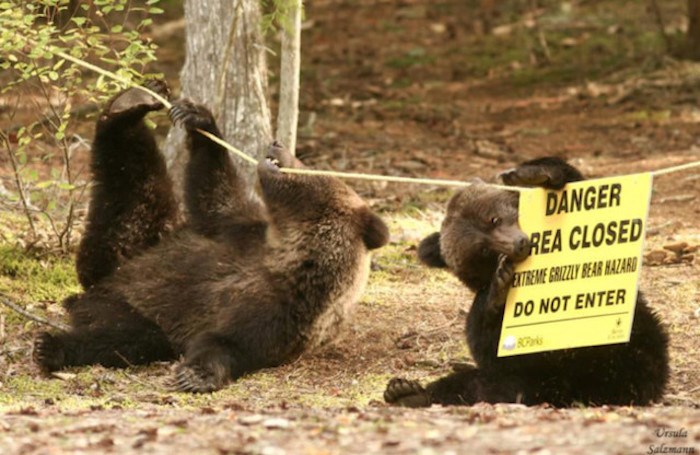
(578,287)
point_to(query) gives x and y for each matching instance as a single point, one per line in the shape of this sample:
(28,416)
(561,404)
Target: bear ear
(429,251)
(374,232)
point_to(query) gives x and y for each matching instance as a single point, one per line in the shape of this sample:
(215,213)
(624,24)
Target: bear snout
(521,248)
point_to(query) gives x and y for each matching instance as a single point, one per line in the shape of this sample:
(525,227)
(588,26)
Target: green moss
(35,277)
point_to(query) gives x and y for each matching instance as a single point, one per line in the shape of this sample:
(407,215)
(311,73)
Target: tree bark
(693,39)
(225,69)
(288,114)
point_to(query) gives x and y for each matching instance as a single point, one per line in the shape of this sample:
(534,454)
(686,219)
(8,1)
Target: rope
(346,175)
(680,167)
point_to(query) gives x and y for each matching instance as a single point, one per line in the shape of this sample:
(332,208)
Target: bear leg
(459,387)
(473,385)
(215,194)
(132,204)
(109,348)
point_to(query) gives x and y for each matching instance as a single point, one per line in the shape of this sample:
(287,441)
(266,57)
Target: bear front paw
(504,273)
(409,394)
(158,86)
(195,379)
(526,176)
(501,282)
(48,352)
(192,116)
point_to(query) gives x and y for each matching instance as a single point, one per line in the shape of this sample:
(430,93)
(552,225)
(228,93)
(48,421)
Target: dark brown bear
(246,284)
(479,241)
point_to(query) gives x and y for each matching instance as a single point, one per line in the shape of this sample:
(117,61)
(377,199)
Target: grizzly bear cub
(479,241)
(246,283)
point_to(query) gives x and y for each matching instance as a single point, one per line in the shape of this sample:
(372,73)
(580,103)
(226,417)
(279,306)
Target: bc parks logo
(511,342)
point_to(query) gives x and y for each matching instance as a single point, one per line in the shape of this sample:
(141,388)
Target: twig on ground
(33,317)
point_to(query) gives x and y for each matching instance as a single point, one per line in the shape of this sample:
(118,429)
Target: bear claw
(191,116)
(158,86)
(404,392)
(194,379)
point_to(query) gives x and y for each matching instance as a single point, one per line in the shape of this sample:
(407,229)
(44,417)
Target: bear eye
(484,251)
(496,221)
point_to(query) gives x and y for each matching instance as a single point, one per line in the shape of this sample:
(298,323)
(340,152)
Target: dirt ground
(417,89)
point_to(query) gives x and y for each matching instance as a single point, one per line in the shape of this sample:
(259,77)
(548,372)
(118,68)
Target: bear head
(481,224)
(307,208)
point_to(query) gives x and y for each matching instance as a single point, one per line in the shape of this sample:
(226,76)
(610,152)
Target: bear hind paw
(48,352)
(195,379)
(410,394)
(137,100)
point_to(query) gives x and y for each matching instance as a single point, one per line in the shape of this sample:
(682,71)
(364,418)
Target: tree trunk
(288,115)
(225,69)
(693,41)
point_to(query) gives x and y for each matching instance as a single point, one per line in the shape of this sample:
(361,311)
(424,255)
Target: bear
(246,282)
(479,241)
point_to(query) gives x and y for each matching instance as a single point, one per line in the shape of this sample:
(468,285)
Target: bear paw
(137,100)
(552,175)
(192,116)
(194,379)
(525,176)
(279,156)
(158,86)
(48,352)
(501,283)
(410,394)
(504,273)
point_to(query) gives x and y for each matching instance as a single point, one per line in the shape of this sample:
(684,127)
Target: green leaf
(79,21)
(43,185)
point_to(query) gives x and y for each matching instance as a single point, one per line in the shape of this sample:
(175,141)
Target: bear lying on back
(479,241)
(246,284)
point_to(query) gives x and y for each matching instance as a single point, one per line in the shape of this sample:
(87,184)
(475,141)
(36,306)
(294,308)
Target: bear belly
(338,310)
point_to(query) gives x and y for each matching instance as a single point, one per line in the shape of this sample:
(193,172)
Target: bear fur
(479,241)
(247,283)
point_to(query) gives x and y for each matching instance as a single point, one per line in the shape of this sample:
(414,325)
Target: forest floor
(410,88)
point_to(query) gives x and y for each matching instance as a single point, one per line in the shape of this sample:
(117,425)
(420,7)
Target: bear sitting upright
(245,284)
(479,241)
